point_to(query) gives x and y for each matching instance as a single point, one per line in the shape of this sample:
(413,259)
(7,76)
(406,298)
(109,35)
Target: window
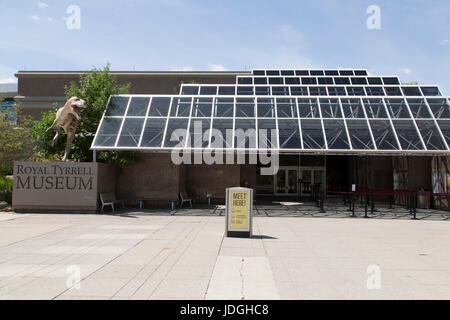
(308,108)
(411,91)
(325,80)
(227,91)
(418,108)
(317,91)
(272,72)
(352,108)
(331,72)
(289,134)
(431,135)
(224,107)
(138,106)
(359,80)
(375,108)
(312,134)
(131,132)
(246,80)
(330,108)
(277,80)
(430,91)
(407,135)
(355,91)
(316,72)
(301,72)
(208,90)
(336,134)
(286,108)
(181,107)
(266,108)
(159,107)
(375,91)
(375,80)
(153,133)
(341,80)
(245,107)
(245,91)
(392,91)
(299,91)
(117,106)
(309,80)
(360,73)
(280,91)
(287,73)
(397,108)
(336,91)
(292,80)
(440,108)
(359,133)
(259,72)
(189,90)
(202,107)
(262,91)
(346,73)
(108,131)
(260,80)
(384,135)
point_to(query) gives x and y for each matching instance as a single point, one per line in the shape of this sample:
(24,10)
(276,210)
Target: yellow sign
(239,210)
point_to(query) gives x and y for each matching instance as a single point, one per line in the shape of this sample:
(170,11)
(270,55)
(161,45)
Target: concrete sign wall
(59,185)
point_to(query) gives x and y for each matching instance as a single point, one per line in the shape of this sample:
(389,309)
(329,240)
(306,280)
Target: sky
(411,39)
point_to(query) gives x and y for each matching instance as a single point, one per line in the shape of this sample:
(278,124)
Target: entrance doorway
(309,177)
(286,181)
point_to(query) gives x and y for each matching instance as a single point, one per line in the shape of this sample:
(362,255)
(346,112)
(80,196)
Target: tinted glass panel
(355,91)
(359,135)
(397,108)
(445,129)
(330,108)
(138,106)
(317,91)
(260,80)
(392,91)
(346,72)
(199,133)
(308,108)
(267,134)
(276,81)
(245,91)
(273,72)
(375,80)
(222,133)
(411,91)
(390,80)
(266,108)
(331,72)
(287,72)
(181,107)
(262,91)
(430,91)
(117,106)
(202,107)
(430,135)
(176,133)
(341,80)
(337,91)
(286,108)
(153,132)
(259,72)
(407,135)
(189,90)
(352,108)
(292,80)
(299,91)
(316,72)
(419,108)
(375,108)
(107,134)
(208,90)
(375,91)
(224,107)
(131,132)
(225,91)
(245,134)
(325,80)
(360,73)
(280,91)
(301,72)
(440,108)
(309,80)
(159,107)
(336,134)
(383,135)
(312,134)
(289,134)
(359,80)
(245,80)
(245,107)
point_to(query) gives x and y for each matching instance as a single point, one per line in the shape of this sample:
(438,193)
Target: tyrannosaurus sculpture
(67,118)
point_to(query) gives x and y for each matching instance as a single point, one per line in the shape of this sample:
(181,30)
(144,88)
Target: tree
(94,87)
(15,141)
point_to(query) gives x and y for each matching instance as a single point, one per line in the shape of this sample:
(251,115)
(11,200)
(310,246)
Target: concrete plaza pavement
(151,256)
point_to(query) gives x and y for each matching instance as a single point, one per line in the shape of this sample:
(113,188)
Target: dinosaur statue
(67,118)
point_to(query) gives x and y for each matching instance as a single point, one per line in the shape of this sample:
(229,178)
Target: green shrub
(5,184)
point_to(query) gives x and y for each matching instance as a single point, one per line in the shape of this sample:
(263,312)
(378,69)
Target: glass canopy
(334,111)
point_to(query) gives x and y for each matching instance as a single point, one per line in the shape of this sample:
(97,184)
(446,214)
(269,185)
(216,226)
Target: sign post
(239,212)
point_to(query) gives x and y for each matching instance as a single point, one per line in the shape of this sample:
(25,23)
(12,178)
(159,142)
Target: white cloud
(444,42)
(216,67)
(8,80)
(35,18)
(38,18)
(406,71)
(42,5)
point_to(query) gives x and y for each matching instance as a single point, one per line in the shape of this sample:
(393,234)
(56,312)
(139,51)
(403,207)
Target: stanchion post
(322,199)
(352,204)
(365,204)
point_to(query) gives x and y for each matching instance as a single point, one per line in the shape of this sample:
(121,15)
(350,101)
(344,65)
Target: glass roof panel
(202,107)
(384,135)
(330,108)
(108,131)
(289,134)
(222,133)
(440,108)
(359,134)
(176,133)
(336,134)
(352,108)
(419,108)
(224,107)
(308,108)
(375,108)
(181,107)
(138,106)
(266,108)
(245,134)
(245,107)
(397,108)
(430,134)
(312,134)
(159,107)
(153,133)
(199,130)
(407,135)
(445,129)
(131,132)
(267,134)
(117,106)
(286,108)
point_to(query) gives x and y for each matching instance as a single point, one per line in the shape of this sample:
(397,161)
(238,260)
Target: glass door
(286,181)
(310,177)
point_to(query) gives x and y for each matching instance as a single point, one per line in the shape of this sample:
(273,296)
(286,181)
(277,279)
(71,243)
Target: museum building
(329,129)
